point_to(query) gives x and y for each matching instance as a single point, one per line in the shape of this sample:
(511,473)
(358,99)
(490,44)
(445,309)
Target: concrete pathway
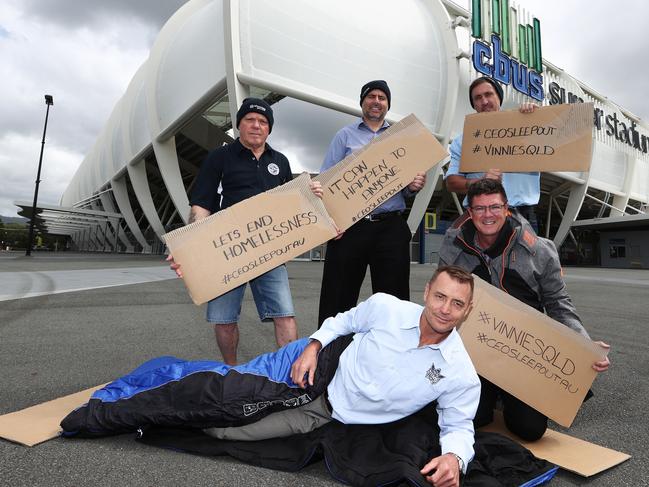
(27,284)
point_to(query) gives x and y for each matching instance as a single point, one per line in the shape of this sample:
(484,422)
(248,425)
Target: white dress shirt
(384,375)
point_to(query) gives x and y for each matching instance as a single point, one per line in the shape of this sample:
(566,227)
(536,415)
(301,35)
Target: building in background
(308,59)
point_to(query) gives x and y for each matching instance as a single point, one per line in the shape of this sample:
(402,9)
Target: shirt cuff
(323,336)
(460,447)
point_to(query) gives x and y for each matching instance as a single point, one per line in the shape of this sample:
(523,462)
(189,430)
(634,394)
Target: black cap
(492,82)
(377,84)
(256,105)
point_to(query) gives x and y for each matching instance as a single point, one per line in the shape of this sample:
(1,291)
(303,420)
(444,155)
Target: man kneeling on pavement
(500,247)
(403,357)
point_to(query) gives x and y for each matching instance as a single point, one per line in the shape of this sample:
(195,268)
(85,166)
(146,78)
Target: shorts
(270,291)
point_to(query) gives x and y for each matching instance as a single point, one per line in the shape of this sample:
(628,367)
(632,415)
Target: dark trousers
(384,246)
(521,419)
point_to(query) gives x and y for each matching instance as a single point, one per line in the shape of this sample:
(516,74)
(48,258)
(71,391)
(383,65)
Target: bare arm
(457,183)
(195,213)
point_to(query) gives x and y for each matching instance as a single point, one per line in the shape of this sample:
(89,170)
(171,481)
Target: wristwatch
(459,461)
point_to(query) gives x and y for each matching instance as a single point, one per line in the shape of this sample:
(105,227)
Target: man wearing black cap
(380,240)
(524,188)
(246,167)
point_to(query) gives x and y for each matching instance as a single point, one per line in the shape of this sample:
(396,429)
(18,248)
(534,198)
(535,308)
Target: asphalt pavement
(66,340)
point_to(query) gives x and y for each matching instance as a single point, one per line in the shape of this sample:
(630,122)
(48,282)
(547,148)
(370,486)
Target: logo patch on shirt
(273,169)
(434,375)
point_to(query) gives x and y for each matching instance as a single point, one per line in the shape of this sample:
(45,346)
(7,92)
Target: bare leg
(227,338)
(285,330)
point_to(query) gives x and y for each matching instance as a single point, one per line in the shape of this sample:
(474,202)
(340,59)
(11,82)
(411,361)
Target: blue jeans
(270,291)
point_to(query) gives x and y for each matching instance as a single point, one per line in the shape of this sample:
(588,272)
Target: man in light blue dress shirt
(403,357)
(523,188)
(381,240)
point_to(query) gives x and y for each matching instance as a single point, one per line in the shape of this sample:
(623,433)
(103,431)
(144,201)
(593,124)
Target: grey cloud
(307,130)
(82,13)
(607,53)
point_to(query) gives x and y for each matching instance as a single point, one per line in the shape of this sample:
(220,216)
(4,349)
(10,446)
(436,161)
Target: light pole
(49,100)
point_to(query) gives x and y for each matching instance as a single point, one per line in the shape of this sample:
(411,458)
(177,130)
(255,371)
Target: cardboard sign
(540,361)
(552,138)
(40,423)
(237,244)
(570,453)
(367,178)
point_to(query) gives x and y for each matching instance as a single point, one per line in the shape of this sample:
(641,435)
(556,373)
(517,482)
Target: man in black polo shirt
(246,167)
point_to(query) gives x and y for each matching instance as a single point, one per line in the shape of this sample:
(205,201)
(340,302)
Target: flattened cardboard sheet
(569,453)
(366,179)
(552,138)
(540,361)
(40,423)
(237,244)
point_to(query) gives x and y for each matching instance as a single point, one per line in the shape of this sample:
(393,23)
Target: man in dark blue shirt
(246,167)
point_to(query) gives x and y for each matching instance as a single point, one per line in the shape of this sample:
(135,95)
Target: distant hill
(13,219)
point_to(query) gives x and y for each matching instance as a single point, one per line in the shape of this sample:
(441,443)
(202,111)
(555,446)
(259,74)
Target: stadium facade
(213,53)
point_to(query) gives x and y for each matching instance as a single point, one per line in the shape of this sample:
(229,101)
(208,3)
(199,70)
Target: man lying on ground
(402,357)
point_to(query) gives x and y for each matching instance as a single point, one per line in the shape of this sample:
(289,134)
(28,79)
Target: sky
(85,52)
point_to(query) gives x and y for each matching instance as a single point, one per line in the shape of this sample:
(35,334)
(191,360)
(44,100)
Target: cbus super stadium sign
(506,50)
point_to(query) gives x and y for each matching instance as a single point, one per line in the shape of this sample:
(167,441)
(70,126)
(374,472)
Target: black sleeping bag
(169,401)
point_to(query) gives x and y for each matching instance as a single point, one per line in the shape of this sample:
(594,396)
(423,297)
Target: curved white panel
(334,47)
(134,128)
(118,149)
(103,166)
(321,52)
(640,183)
(140,134)
(463,107)
(608,169)
(191,64)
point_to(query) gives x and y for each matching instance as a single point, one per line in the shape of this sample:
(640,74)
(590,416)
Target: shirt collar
(411,320)
(362,125)
(240,147)
(446,347)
